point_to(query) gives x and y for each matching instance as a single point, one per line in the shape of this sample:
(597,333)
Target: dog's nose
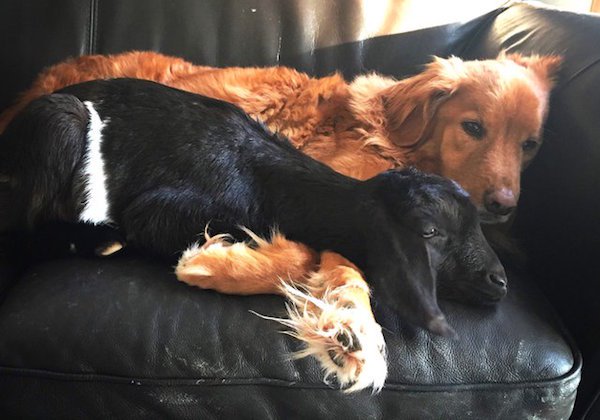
(500,202)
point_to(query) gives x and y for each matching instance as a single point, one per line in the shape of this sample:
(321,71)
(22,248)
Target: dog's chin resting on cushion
(161,164)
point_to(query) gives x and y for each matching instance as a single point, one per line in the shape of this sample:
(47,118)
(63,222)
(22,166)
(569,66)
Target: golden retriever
(477,122)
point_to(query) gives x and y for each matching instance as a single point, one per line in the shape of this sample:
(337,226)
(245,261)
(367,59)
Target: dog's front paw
(344,338)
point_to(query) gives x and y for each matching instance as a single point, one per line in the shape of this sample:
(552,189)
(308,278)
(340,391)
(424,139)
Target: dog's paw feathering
(344,338)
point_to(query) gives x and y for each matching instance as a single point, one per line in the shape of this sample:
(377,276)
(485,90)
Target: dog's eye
(529,145)
(473,129)
(430,233)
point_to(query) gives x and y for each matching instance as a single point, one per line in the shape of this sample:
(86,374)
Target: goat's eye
(529,145)
(430,233)
(473,129)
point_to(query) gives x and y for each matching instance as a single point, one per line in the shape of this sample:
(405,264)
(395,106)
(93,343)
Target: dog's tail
(39,152)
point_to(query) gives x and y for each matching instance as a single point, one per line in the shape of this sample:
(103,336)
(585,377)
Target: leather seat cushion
(123,331)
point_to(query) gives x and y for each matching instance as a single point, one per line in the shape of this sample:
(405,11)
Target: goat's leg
(59,239)
(328,300)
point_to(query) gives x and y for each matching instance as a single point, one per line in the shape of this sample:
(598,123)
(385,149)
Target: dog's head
(477,122)
(433,239)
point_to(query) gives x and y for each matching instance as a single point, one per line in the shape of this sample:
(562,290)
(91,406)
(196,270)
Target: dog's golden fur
(360,129)
(375,122)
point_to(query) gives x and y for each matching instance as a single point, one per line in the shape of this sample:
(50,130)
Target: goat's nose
(498,280)
(501,202)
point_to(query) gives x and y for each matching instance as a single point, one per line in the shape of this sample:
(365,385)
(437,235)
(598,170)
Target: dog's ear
(411,104)
(546,67)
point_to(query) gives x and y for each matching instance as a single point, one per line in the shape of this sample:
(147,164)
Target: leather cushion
(125,331)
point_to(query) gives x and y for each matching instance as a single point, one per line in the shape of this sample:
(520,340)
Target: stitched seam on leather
(572,375)
(592,405)
(93,20)
(485,24)
(578,73)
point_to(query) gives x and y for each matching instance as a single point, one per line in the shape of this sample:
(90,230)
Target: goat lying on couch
(478,122)
(160,164)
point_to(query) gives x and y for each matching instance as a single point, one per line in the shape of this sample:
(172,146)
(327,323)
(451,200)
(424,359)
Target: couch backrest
(317,36)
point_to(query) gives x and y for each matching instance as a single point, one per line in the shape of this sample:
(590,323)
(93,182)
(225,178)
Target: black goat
(160,164)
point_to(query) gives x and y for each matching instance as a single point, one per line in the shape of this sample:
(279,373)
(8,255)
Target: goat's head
(433,239)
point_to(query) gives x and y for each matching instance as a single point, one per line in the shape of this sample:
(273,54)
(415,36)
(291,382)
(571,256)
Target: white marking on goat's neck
(95,209)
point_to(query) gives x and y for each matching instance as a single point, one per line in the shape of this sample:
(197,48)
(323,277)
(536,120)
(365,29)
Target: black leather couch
(87,338)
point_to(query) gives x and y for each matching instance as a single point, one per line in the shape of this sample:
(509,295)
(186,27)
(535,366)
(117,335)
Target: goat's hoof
(108,249)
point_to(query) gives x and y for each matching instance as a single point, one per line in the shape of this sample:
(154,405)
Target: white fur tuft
(320,322)
(96,207)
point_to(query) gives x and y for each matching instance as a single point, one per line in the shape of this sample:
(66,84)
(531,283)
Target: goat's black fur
(176,161)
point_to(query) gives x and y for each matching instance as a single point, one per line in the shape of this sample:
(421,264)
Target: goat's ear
(401,274)
(544,66)
(411,104)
